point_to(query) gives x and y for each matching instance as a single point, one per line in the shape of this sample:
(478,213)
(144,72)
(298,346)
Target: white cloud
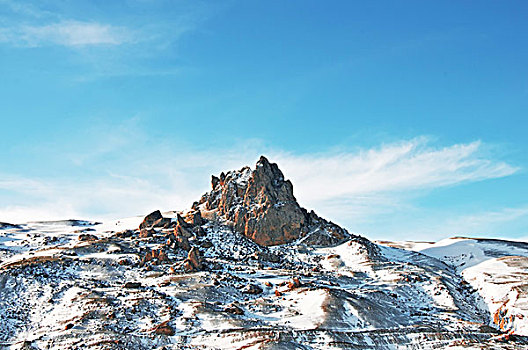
(404,166)
(66,33)
(348,187)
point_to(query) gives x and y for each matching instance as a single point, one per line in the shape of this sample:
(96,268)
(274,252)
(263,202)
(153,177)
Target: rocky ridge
(260,204)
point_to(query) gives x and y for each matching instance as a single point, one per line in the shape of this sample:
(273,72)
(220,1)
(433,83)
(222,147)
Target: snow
(344,293)
(497,269)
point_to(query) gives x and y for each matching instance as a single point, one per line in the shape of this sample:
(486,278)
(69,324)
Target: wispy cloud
(130,43)
(346,186)
(69,33)
(33,26)
(403,166)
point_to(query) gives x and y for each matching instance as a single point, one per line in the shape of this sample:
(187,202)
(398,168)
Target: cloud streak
(346,186)
(67,33)
(404,166)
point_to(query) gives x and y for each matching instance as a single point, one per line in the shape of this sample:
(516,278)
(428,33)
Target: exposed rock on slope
(261,205)
(199,280)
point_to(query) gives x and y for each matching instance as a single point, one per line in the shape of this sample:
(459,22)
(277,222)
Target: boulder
(145,233)
(164,223)
(164,329)
(178,240)
(87,237)
(150,219)
(193,262)
(234,309)
(182,231)
(252,289)
(132,285)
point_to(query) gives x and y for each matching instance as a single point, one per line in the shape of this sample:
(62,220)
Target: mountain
(246,267)
(497,269)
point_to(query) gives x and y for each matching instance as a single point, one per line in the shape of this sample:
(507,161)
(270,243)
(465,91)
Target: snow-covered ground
(58,291)
(497,269)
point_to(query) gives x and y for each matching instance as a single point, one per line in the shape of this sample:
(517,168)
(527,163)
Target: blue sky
(399,120)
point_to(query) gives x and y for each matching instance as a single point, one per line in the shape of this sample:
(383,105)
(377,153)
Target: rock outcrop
(193,262)
(155,219)
(150,219)
(260,204)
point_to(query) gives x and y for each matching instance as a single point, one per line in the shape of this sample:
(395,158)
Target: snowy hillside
(248,268)
(497,269)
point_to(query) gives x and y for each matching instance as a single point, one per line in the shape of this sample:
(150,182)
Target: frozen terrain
(198,279)
(497,269)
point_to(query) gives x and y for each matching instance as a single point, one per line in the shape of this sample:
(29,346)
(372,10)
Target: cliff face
(260,204)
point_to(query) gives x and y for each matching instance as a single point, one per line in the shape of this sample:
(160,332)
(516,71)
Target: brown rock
(162,257)
(145,233)
(294,283)
(194,261)
(164,329)
(261,205)
(182,231)
(164,223)
(150,219)
(252,289)
(148,257)
(87,237)
(234,309)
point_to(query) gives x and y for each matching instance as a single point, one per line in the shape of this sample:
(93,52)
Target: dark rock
(206,244)
(182,223)
(164,223)
(198,231)
(197,219)
(177,240)
(125,234)
(252,289)
(87,237)
(5,225)
(131,285)
(182,231)
(150,219)
(234,309)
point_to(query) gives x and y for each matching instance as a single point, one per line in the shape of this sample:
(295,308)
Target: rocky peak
(260,204)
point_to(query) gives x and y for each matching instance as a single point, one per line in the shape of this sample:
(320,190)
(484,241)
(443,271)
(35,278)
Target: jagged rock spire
(260,204)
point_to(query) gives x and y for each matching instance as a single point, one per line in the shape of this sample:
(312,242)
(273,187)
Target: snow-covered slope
(59,292)
(248,268)
(497,269)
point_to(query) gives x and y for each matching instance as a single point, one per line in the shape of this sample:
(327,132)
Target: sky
(398,120)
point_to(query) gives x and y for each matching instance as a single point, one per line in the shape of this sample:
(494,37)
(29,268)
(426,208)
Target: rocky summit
(260,204)
(246,267)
